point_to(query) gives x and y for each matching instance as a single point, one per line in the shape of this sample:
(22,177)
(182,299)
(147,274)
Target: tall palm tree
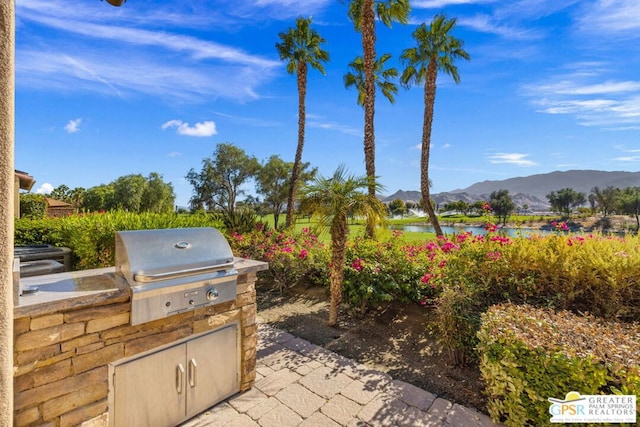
(300,47)
(363,14)
(332,201)
(436,50)
(383,78)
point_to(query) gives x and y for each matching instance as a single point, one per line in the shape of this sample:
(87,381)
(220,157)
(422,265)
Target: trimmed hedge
(530,354)
(91,237)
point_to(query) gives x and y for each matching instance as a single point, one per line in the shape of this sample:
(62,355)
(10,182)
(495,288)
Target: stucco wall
(7,102)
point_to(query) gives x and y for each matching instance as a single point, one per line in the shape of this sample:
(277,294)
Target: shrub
(32,206)
(294,258)
(380,271)
(595,274)
(528,355)
(91,237)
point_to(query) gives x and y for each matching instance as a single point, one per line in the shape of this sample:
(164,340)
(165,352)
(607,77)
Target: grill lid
(144,256)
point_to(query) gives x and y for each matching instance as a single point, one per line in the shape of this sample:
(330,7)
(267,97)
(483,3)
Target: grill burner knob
(212,294)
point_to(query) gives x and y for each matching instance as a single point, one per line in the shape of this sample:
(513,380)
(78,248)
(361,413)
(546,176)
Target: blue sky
(153,86)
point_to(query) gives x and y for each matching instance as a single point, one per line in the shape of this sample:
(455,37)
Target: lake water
(478,231)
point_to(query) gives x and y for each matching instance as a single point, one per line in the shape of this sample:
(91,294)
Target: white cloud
(73,126)
(125,56)
(45,188)
(590,97)
(207,128)
(612,17)
(438,4)
(488,24)
(627,158)
(348,130)
(517,159)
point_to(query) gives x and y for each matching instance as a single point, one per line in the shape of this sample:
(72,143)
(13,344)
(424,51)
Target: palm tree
(332,201)
(363,14)
(383,78)
(300,47)
(436,50)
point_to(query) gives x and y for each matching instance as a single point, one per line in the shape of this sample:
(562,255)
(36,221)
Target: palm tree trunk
(302,92)
(339,231)
(429,102)
(369,55)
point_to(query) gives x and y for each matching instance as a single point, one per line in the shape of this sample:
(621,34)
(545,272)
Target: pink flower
(426,278)
(494,256)
(463,236)
(449,247)
(490,227)
(357,264)
(303,254)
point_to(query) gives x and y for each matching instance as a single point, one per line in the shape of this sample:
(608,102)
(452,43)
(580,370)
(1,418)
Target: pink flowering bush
(464,274)
(293,258)
(595,274)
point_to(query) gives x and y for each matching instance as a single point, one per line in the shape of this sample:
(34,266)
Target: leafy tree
(32,206)
(593,203)
(436,50)
(61,192)
(629,203)
(98,198)
(272,182)
(332,200)
(501,204)
(563,201)
(300,47)
(217,185)
(128,192)
(397,206)
(158,196)
(459,206)
(76,197)
(605,199)
(363,14)
(383,78)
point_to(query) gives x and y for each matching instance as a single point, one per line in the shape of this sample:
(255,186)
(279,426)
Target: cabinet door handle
(193,373)
(179,377)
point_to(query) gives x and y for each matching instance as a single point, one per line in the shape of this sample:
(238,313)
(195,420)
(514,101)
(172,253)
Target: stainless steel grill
(174,270)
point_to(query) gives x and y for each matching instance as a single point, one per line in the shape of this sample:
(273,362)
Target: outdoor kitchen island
(72,334)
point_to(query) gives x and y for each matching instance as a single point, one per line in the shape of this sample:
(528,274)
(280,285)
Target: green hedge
(530,354)
(91,237)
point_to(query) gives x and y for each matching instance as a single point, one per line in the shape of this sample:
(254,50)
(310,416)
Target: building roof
(53,203)
(26,180)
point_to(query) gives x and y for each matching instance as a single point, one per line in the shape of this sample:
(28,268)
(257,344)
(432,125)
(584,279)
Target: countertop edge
(50,302)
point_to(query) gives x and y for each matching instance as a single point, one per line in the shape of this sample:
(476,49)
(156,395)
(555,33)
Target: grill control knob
(212,294)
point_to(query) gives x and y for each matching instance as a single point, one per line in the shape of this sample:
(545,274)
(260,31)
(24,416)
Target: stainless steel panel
(151,254)
(215,374)
(146,392)
(148,304)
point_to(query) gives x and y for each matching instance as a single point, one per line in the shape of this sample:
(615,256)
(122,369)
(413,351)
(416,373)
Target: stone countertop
(62,291)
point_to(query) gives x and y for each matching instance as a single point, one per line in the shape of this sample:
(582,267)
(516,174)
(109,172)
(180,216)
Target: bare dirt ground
(398,339)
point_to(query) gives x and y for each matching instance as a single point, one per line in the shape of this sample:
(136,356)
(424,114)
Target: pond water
(478,231)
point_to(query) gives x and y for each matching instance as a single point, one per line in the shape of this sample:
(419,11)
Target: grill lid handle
(154,277)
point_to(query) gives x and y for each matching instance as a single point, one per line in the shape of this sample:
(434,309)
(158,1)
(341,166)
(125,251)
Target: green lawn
(356,228)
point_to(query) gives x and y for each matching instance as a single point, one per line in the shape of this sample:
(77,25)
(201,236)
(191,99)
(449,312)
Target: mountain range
(530,190)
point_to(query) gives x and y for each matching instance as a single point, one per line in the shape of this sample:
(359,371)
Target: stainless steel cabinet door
(151,390)
(213,368)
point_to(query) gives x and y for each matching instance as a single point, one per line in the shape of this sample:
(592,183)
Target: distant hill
(531,190)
